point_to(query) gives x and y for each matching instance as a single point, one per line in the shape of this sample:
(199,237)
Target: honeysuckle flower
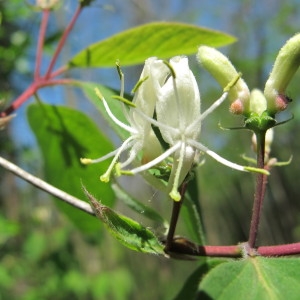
(142,137)
(223,71)
(179,120)
(285,66)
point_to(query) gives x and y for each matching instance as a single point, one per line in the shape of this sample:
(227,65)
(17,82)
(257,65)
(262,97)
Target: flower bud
(285,66)
(258,102)
(224,72)
(46,4)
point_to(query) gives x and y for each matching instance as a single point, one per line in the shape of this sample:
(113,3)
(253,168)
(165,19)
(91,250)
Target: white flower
(142,137)
(171,89)
(179,119)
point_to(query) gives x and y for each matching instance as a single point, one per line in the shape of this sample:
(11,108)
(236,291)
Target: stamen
(233,82)
(177,100)
(106,176)
(153,162)
(112,116)
(156,123)
(87,161)
(121,75)
(174,194)
(217,157)
(124,100)
(138,84)
(217,103)
(170,68)
(133,154)
(202,116)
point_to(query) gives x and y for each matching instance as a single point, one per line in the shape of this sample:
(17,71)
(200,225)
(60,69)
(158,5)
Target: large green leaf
(64,136)
(253,278)
(129,232)
(190,287)
(163,40)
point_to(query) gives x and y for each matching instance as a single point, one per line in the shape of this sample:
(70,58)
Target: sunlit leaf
(64,136)
(253,278)
(129,232)
(163,40)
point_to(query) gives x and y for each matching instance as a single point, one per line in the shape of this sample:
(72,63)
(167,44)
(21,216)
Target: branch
(50,189)
(63,40)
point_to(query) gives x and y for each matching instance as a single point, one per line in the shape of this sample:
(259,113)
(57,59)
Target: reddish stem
(62,41)
(279,250)
(261,181)
(30,91)
(40,43)
(58,71)
(233,251)
(174,218)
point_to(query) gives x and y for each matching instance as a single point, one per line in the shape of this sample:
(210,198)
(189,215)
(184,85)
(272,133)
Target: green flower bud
(224,72)
(258,102)
(285,66)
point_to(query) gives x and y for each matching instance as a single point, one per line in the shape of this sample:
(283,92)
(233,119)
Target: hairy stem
(261,180)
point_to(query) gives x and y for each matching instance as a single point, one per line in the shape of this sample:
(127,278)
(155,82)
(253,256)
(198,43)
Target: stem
(62,41)
(20,100)
(279,250)
(261,181)
(58,71)
(174,218)
(179,245)
(31,90)
(82,205)
(40,43)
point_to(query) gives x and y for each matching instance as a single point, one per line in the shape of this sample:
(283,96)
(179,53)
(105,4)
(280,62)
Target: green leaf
(190,287)
(129,232)
(64,136)
(133,46)
(253,278)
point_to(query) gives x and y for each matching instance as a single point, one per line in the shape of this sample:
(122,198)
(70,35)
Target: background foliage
(41,251)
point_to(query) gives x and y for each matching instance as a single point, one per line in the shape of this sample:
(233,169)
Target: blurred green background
(42,254)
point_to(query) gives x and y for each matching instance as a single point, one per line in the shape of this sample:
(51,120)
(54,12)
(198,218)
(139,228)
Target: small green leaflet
(129,232)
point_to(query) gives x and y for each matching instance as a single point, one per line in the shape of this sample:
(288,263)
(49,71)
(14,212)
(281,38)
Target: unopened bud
(224,72)
(285,66)
(46,4)
(258,102)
